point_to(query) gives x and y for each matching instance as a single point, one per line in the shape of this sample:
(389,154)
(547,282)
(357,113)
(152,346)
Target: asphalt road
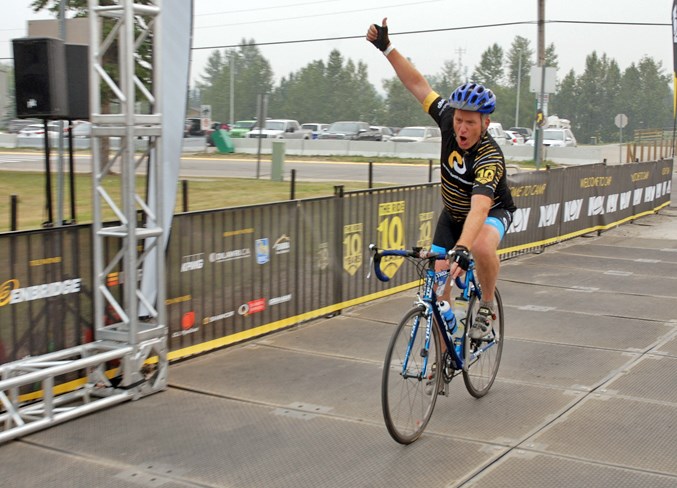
(196,167)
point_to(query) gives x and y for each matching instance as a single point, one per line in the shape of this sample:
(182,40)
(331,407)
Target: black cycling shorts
(448,231)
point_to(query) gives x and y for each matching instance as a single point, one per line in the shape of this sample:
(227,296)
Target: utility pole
(538,143)
(461,51)
(519,82)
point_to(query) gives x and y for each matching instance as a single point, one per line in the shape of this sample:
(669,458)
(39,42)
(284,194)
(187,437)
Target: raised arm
(410,77)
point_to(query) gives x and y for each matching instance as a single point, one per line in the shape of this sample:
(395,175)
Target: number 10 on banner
(391,234)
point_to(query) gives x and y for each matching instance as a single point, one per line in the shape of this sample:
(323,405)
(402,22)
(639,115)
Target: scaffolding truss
(128,358)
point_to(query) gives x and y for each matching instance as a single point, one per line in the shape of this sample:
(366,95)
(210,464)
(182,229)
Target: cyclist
(478,206)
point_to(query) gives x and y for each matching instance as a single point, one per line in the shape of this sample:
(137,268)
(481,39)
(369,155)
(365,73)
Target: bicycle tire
(479,374)
(407,406)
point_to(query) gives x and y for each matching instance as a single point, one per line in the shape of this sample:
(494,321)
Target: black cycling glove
(461,256)
(381,41)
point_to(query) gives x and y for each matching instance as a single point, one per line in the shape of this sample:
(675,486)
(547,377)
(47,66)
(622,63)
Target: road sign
(550,84)
(540,118)
(621,120)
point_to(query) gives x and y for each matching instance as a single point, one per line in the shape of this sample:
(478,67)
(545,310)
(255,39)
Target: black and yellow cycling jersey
(480,170)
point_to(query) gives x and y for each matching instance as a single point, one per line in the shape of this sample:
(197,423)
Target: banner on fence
(236,273)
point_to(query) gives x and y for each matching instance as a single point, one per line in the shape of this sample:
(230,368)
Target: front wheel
(411,376)
(482,357)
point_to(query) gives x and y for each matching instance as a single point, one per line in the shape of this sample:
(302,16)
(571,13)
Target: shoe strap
(487,312)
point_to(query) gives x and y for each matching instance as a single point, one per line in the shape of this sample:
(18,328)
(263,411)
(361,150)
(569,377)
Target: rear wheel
(408,388)
(481,357)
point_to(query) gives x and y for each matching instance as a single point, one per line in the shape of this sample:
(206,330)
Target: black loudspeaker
(77,68)
(40,78)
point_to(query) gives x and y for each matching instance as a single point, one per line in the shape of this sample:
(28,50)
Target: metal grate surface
(625,432)
(537,470)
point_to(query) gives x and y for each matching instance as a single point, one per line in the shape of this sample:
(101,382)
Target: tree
(551,56)
(215,79)
(368,103)
(565,101)
(402,109)
(631,86)
(656,95)
(447,80)
(300,95)
(490,70)
(519,66)
(327,92)
(253,76)
(80,6)
(143,65)
(519,60)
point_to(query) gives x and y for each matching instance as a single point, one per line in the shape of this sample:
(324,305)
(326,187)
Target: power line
(596,22)
(428,31)
(326,14)
(446,29)
(340,38)
(265,8)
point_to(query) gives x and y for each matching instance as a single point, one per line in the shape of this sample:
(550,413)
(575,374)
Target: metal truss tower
(128,358)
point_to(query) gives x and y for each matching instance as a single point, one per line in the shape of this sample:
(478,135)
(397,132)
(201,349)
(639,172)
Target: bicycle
(410,383)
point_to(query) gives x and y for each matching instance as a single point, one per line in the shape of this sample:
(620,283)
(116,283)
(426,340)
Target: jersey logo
(456,160)
(486,175)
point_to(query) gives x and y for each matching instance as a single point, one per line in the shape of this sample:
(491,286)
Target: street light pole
(232,89)
(519,81)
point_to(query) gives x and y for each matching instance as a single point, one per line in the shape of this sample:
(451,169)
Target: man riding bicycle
(478,206)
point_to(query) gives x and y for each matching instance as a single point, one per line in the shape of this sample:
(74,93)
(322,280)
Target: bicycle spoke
(408,398)
(482,357)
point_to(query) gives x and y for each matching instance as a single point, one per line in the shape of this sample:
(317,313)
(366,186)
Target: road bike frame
(468,286)
(417,368)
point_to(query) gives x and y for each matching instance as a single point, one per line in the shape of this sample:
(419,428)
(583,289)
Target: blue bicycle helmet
(474,98)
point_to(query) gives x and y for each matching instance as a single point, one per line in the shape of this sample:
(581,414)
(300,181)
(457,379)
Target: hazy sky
(225,23)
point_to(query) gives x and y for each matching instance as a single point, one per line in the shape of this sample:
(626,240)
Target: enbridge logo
(12,293)
(6,291)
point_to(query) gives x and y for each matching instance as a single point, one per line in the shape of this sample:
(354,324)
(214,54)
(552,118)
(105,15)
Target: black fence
(238,273)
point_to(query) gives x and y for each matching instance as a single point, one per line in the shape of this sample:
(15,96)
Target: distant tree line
(339,89)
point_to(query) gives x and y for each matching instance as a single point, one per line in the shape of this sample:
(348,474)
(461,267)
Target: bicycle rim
(408,399)
(482,357)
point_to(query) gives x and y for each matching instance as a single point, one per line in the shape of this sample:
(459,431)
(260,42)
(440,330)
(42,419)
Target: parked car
(357,131)
(193,127)
(385,132)
(418,134)
(242,127)
(525,131)
(514,138)
(557,138)
(32,130)
(496,131)
(280,129)
(38,130)
(315,128)
(15,125)
(81,128)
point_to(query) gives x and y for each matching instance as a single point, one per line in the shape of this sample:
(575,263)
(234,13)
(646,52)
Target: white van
(418,134)
(497,132)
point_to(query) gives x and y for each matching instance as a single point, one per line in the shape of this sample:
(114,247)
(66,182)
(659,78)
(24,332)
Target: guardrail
(416,150)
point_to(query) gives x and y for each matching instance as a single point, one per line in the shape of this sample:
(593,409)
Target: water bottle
(461,313)
(448,316)
(460,310)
